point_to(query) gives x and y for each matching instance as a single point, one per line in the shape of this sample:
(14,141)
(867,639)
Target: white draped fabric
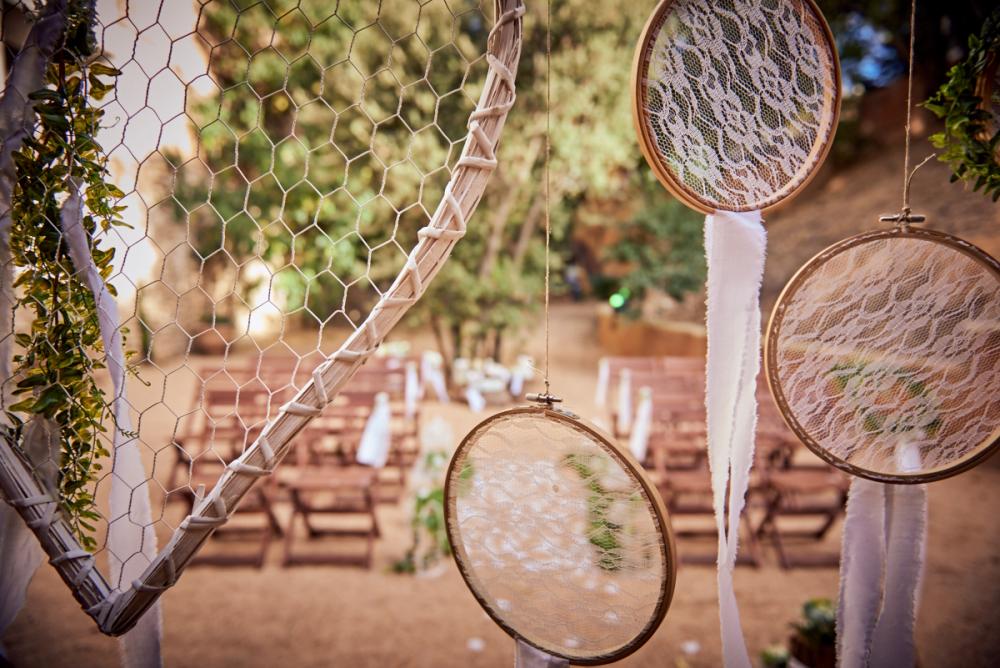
(130,531)
(735,245)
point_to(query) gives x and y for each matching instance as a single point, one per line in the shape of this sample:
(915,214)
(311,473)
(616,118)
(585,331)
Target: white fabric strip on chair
(735,245)
(376,439)
(623,407)
(638,441)
(130,531)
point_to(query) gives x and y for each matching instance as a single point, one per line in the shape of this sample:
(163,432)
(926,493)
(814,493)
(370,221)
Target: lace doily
(558,536)
(736,103)
(884,355)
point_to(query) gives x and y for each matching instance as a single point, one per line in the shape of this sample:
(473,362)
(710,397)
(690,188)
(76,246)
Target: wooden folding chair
(346,495)
(818,493)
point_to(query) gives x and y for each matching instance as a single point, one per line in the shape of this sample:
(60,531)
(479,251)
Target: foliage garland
(971,136)
(62,347)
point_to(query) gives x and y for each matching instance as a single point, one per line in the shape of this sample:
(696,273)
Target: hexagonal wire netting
(276,160)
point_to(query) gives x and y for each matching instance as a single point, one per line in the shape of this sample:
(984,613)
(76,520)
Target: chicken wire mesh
(275,164)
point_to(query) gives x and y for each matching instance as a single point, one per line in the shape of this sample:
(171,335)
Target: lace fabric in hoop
(558,536)
(884,355)
(736,102)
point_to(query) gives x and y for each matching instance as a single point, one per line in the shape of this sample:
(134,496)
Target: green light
(616,300)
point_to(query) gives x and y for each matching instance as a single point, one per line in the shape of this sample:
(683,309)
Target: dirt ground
(342,616)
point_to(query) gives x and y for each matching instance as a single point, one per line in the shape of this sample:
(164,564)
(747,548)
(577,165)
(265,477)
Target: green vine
(62,347)
(971,137)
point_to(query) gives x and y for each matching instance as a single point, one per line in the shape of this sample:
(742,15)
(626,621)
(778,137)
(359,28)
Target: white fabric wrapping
(623,406)
(431,374)
(377,436)
(735,245)
(526,656)
(603,378)
(638,442)
(411,390)
(131,539)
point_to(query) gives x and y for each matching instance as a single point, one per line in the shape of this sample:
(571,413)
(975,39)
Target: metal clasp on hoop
(543,398)
(903,219)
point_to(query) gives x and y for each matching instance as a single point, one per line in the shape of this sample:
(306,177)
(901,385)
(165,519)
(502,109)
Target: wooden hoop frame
(975,457)
(635,470)
(116,611)
(640,65)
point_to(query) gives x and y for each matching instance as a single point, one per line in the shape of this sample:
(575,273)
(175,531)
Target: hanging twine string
(905,216)
(548,152)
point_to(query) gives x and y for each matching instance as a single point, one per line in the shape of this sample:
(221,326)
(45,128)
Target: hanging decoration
(455,183)
(557,531)
(735,105)
(883,355)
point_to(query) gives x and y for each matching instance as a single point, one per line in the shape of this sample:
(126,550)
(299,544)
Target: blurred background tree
(329,138)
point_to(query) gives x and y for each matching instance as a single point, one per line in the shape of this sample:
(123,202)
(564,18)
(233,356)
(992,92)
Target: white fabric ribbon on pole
(623,407)
(526,656)
(881,572)
(735,245)
(638,441)
(130,529)
(376,438)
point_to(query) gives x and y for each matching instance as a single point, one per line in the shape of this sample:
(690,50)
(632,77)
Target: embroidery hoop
(627,465)
(975,455)
(667,176)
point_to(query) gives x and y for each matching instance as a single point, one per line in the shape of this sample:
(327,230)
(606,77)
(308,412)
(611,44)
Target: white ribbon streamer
(526,656)
(638,442)
(377,436)
(735,245)
(881,571)
(130,532)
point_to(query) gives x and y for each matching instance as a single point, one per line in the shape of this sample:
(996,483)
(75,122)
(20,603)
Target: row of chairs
(792,495)
(321,490)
